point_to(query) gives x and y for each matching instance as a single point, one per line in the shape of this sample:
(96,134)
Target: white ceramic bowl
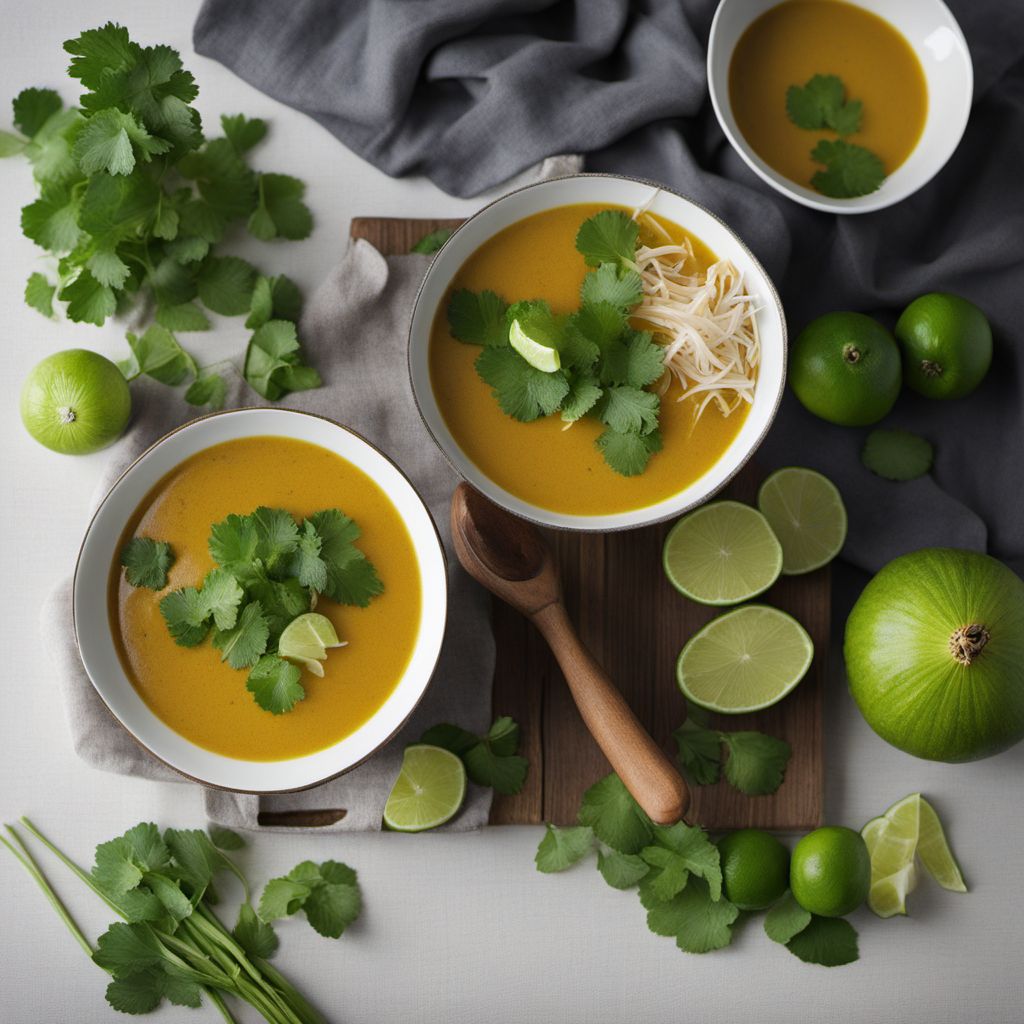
(93,627)
(935,37)
(629,192)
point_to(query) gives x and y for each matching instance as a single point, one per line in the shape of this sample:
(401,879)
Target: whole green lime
(934,653)
(830,871)
(947,345)
(75,402)
(755,868)
(845,368)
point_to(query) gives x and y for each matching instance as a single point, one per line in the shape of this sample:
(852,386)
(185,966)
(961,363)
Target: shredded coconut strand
(705,321)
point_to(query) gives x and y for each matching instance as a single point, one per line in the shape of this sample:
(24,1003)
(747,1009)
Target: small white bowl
(933,34)
(620,191)
(93,628)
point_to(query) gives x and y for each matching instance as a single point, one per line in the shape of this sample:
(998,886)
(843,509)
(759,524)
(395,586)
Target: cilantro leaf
(221,597)
(121,862)
(50,149)
(331,907)
(328,893)
(274,298)
(667,877)
(582,397)
(821,103)
(307,565)
(628,454)
(277,535)
(850,170)
(829,941)
(272,364)
(615,817)
(186,316)
(110,140)
(629,410)
(233,541)
(700,752)
(691,847)
(562,847)
(52,220)
(621,870)
(757,763)
(280,211)
(599,323)
(196,858)
(786,919)
(478,318)
(243,132)
(282,897)
(124,949)
(637,362)
(184,611)
(897,454)
(226,285)
(618,288)
(209,390)
(39,293)
(256,937)
(158,355)
(538,322)
(242,644)
(88,301)
(146,562)
(451,737)
(11,144)
(33,108)
(141,992)
(432,241)
(282,600)
(351,576)
(274,684)
(225,838)
(523,392)
(108,268)
(608,237)
(98,50)
(490,760)
(699,923)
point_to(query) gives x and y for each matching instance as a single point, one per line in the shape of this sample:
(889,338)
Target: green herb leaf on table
(275,684)
(225,838)
(616,818)
(328,894)
(273,362)
(786,919)
(621,870)
(828,941)
(432,241)
(756,764)
(274,298)
(208,390)
(186,316)
(897,454)
(39,293)
(243,132)
(146,562)
(608,237)
(821,103)
(478,318)
(33,108)
(699,922)
(700,751)
(562,847)
(256,937)
(850,170)
(492,760)
(280,213)
(157,354)
(679,851)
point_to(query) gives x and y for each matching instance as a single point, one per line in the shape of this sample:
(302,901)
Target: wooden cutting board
(636,623)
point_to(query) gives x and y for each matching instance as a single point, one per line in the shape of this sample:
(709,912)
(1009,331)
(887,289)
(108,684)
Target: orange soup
(791,43)
(190,688)
(540,461)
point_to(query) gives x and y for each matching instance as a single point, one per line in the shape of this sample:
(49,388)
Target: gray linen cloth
(468,92)
(354,331)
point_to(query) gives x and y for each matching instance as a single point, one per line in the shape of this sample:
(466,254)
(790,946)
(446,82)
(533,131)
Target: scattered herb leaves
(821,103)
(786,919)
(146,562)
(432,241)
(562,847)
(828,941)
(850,170)
(492,760)
(327,893)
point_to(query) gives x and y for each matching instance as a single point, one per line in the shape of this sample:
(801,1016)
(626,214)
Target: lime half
(541,357)
(306,639)
(807,514)
(745,660)
(428,791)
(722,553)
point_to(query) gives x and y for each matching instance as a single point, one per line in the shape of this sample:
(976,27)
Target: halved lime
(306,639)
(542,357)
(722,553)
(745,660)
(429,789)
(807,514)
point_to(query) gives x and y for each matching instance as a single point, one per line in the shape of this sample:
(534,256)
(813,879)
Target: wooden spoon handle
(647,773)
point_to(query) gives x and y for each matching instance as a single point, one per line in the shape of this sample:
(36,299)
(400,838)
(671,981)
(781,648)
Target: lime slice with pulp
(541,357)
(745,660)
(428,791)
(305,640)
(806,512)
(722,553)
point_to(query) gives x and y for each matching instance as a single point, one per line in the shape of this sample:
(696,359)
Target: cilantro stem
(29,864)
(298,1002)
(218,1001)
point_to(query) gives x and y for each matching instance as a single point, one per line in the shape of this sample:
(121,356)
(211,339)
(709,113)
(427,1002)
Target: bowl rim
(137,739)
(873,201)
(675,513)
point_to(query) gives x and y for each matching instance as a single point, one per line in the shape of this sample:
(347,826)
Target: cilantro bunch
(606,365)
(677,873)
(133,201)
(171,944)
(268,570)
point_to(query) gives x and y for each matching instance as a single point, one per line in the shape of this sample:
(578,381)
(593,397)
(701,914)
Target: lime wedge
(722,553)
(807,514)
(745,660)
(541,357)
(934,851)
(305,641)
(428,791)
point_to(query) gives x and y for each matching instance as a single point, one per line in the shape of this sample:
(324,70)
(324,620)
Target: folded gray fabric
(468,92)
(354,331)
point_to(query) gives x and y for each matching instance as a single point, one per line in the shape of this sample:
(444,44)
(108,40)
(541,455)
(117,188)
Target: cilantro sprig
(133,200)
(849,170)
(269,567)
(170,942)
(605,365)
(492,760)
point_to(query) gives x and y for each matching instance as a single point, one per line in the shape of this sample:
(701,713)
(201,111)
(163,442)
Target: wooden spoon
(509,557)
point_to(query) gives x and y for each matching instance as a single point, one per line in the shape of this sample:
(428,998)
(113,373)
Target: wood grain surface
(635,623)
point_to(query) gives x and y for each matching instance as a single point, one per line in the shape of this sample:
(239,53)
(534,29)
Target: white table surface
(455,928)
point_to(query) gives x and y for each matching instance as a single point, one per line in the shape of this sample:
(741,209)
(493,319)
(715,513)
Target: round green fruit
(947,345)
(75,402)
(830,871)
(845,368)
(755,868)
(934,654)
